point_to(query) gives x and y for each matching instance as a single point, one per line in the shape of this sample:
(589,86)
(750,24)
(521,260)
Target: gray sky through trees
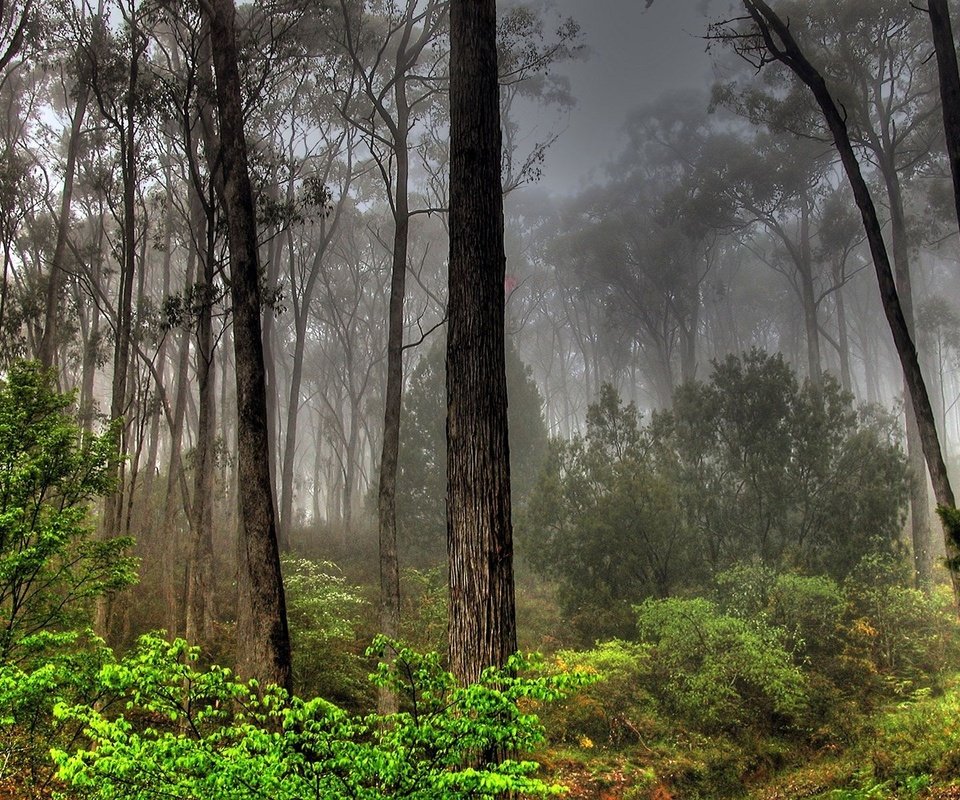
(635,55)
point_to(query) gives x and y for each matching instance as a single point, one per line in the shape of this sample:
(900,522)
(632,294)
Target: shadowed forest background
(727,544)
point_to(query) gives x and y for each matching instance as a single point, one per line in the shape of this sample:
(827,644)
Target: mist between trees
(262,263)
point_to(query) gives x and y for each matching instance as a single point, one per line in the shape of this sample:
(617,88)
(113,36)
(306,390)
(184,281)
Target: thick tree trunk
(479,534)
(949,76)
(263,641)
(781,44)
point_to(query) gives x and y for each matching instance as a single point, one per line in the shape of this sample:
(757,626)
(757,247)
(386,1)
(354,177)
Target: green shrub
(69,673)
(322,609)
(51,567)
(206,736)
(919,738)
(616,710)
(717,672)
(909,638)
(810,610)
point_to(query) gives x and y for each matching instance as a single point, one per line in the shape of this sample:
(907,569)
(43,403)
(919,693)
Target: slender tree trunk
(387,489)
(272,382)
(170,540)
(949,76)
(113,505)
(200,580)
(263,641)
(90,349)
(843,339)
(781,44)
(479,534)
(48,344)
(919,497)
(811,327)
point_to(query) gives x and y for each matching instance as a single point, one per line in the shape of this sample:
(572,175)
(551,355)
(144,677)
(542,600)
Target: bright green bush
(811,611)
(717,672)
(69,672)
(323,610)
(51,567)
(206,736)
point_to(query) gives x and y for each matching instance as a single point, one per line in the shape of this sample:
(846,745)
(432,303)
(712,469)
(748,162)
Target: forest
(351,448)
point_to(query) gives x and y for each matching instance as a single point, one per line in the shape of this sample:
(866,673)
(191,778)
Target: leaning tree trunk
(263,640)
(479,534)
(782,46)
(949,76)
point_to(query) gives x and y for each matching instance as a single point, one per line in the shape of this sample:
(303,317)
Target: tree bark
(387,489)
(782,46)
(48,343)
(263,641)
(200,581)
(479,533)
(949,76)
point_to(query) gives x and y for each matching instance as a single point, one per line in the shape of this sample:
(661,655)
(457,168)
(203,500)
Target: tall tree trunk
(48,344)
(843,340)
(170,539)
(483,628)
(808,294)
(919,497)
(113,506)
(949,76)
(200,580)
(271,381)
(263,640)
(782,46)
(387,489)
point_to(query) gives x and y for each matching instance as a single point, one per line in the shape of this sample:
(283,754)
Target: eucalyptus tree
(395,50)
(263,641)
(329,166)
(873,57)
(75,87)
(769,40)
(483,628)
(948,81)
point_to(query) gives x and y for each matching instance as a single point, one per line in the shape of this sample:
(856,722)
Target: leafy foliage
(719,672)
(206,736)
(786,473)
(750,466)
(322,609)
(50,470)
(68,672)
(603,522)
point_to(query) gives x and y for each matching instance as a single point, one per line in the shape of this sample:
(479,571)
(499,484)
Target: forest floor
(906,750)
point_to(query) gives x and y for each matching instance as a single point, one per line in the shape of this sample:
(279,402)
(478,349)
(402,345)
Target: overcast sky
(635,55)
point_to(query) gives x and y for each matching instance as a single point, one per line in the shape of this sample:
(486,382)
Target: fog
(708,474)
